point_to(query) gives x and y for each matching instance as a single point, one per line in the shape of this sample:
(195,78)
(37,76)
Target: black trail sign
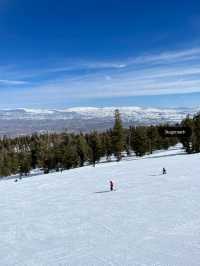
(173,131)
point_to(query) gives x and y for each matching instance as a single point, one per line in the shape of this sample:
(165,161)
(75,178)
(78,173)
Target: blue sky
(58,54)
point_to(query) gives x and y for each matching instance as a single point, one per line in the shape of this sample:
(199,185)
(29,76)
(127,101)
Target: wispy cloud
(168,72)
(146,59)
(151,74)
(166,57)
(12,82)
(87,66)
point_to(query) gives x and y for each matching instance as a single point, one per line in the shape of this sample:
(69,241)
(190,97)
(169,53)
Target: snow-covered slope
(71,219)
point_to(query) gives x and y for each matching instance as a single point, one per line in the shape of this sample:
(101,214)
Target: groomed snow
(70,218)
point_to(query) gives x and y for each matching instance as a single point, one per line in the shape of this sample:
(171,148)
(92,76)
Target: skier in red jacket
(111,185)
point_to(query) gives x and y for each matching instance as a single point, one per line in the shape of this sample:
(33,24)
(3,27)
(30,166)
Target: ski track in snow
(71,219)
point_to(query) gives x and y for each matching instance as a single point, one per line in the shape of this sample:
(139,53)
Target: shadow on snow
(103,191)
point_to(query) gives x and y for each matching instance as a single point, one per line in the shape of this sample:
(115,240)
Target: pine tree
(128,141)
(139,142)
(187,141)
(152,135)
(35,151)
(95,148)
(196,133)
(108,145)
(70,157)
(24,164)
(5,168)
(117,136)
(82,149)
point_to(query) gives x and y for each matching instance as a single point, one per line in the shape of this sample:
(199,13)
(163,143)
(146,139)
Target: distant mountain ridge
(92,112)
(26,121)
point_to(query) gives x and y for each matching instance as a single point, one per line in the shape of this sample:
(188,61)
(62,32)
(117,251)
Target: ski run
(71,218)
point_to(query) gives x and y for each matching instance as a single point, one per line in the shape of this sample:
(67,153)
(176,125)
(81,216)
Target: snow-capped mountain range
(25,121)
(128,113)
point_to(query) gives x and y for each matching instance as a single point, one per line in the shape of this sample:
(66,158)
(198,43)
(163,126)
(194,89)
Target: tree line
(57,152)
(191,143)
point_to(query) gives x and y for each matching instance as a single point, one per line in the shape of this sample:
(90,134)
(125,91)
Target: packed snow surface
(71,218)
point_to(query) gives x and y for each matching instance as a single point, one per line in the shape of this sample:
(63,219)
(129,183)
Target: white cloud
(95,65)
(157,74)
(171,73)
(167,57)
(12,82)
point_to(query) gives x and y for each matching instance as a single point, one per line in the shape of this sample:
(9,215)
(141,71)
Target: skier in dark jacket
(164,171)
(111,185)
